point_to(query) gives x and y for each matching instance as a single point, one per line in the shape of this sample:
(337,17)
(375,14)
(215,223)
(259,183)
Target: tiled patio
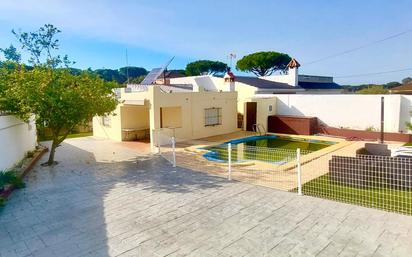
(105,199)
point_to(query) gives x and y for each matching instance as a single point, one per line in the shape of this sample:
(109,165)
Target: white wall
(16,138)
(348,111)
(405,112)
(291,78)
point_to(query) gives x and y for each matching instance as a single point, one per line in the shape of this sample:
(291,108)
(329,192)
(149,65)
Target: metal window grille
(213,116)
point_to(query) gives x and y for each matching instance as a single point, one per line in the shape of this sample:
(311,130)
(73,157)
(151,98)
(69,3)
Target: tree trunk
(51,155)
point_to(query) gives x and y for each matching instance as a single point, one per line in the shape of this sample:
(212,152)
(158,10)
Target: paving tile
(99,204)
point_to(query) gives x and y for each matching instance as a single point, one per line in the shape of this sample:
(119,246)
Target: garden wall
(16,138)
(359,112)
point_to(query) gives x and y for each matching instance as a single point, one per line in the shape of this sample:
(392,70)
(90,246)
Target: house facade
(176,110)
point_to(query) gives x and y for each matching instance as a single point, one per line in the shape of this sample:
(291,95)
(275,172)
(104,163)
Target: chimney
(293,72)
(230,79)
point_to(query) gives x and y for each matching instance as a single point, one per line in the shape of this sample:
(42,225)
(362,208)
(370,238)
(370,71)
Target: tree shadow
(78,207)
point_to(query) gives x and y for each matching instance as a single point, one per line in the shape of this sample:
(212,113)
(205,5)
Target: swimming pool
(269,148)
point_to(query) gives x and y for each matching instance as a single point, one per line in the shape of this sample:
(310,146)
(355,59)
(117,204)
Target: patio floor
(107,199)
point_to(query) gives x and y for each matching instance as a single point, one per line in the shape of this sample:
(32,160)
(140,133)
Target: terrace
(124,203)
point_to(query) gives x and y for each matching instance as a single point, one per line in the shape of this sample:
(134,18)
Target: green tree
(392,84)
(205,67)
(373,90)
(11,54)
(132,72)
(111,75)
(57,98)
(263,63)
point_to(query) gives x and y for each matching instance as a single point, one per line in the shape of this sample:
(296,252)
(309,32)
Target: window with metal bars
(213,116)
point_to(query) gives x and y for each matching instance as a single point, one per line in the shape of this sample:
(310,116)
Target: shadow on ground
(77,206)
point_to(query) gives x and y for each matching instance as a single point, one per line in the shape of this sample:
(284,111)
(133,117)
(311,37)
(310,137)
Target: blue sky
(97,33)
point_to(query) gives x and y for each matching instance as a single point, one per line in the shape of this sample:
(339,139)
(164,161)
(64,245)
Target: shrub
(371,129)
(10,178)
(30,154)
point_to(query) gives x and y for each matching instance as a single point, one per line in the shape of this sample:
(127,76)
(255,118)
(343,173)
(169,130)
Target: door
(251,108)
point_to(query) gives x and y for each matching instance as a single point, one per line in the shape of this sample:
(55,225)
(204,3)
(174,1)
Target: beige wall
(192,106)
(171,117)
(111,132)
(135,117)
(263,111)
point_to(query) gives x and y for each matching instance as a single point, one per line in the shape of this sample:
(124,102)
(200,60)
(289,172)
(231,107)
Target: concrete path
(107,200)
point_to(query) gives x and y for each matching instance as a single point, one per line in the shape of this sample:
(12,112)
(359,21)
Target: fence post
(229,160)
(299,171)
(174,151)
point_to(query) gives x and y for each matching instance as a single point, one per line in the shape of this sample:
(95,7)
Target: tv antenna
(231,57)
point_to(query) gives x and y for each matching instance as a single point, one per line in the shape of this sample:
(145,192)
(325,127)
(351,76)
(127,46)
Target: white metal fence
(381,182)
(373,181)
(165,142)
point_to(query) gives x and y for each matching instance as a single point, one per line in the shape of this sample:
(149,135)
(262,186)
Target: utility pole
(382,119)
(127,68)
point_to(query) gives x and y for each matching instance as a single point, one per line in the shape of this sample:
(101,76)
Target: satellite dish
(155,73)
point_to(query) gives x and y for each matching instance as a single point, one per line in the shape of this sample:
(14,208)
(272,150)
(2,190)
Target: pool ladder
(258,128)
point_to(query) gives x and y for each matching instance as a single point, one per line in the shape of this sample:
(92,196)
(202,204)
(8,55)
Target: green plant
(373,90)
(371,128)
(2,201)
(30,154)
(10,178)
(408,125)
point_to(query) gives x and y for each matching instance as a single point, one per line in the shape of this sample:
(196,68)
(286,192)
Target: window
(171,117)
(213,116)
(106,121)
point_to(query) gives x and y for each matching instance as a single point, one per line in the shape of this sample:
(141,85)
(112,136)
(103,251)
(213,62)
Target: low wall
(17,138)
(368,135)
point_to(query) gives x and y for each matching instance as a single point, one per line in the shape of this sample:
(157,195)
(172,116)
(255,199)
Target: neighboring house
(405,89)
(177,110)
(309,83)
